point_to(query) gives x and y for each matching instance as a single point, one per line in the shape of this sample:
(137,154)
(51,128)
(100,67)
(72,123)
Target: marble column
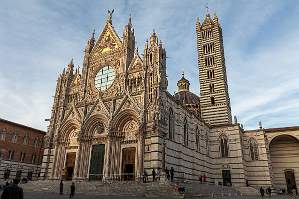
(59,161)
(107,159)
(140,154)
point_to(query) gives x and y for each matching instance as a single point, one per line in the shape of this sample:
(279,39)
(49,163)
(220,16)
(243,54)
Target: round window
(104,78)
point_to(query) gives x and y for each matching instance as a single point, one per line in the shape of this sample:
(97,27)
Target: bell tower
(214,96)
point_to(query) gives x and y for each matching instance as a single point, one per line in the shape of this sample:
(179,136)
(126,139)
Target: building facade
(21,151)
(115,118)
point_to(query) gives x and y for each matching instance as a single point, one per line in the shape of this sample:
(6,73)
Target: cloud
(38,38)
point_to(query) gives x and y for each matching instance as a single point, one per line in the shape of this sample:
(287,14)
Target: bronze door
(69,165)
(128,163)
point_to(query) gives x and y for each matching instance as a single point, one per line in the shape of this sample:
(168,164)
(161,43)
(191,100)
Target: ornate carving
(130,129)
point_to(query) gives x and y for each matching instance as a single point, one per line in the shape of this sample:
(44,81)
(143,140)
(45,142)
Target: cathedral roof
(187,98)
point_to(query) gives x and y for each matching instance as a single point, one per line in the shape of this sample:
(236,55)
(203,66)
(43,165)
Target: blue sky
(39,37)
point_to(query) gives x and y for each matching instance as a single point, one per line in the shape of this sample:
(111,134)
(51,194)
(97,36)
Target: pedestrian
(72,190)
(61,187)
(171,174)
(269,191)
(144,176)
(154,175)
(13,191)
(167,173)
(262,192)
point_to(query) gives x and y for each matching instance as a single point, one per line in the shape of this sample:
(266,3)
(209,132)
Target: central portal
(97,162)
(128,163)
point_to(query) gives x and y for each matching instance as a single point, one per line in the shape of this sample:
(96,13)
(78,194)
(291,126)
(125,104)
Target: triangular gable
(73,114)
(128,103)
(77,80)
(98,106)
(136,64)
(108,40)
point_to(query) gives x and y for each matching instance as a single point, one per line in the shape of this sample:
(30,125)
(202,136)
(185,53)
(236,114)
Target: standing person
(269,191)
(171,173)
(61,187)
(72,190)
(13,191)
(167,173)
(154,175)
(262,192)
(144,176)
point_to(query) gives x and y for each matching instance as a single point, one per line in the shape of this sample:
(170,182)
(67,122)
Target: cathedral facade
(115,119)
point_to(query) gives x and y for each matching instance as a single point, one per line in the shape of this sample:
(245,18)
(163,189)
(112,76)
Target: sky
(39,38)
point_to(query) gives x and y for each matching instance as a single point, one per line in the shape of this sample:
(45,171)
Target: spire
(216,20)
(146,44)
(70,66)
(130,21)
(93,33)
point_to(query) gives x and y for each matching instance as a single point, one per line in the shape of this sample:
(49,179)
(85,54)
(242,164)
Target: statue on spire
(109,16)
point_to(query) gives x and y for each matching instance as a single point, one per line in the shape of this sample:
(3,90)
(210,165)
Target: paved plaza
(47,195)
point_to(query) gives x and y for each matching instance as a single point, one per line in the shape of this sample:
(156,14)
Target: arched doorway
(93,148)
(128,146)
(71,153)
(284,155)
(65,151)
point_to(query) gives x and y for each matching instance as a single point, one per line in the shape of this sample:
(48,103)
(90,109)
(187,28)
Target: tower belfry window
(212,88)
(212,100)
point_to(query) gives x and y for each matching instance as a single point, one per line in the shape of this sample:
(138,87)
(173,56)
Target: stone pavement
(48,195)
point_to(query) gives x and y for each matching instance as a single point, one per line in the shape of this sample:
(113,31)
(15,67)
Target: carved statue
(109,15)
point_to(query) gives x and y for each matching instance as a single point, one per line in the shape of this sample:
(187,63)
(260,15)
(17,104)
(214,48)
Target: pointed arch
(95,124)
(122,119)
(67,129)
(171,124)
(223,145)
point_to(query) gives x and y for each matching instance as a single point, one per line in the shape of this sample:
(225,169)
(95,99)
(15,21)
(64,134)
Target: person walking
(262,192)
(72,190)
(13,191)
(61,187)
(154,175)
(269,191)
(171,174)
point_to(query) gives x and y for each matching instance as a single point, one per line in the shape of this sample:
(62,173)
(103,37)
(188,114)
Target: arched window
(253,149)
(197,139)
(171,124)
(185,132)
(223,146)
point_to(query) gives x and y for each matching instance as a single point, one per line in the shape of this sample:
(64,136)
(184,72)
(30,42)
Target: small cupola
(183,84)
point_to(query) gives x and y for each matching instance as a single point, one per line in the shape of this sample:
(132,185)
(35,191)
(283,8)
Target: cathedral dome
(190,100)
